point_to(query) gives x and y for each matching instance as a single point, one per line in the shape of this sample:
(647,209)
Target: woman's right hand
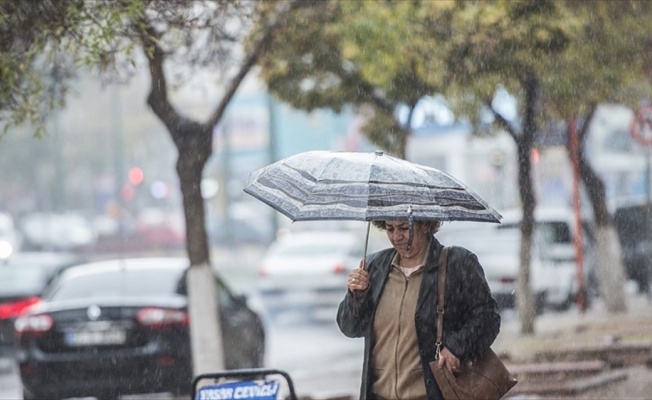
(449,361)
(358,278)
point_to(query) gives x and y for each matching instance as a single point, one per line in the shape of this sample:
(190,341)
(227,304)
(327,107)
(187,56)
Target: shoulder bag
(487,378)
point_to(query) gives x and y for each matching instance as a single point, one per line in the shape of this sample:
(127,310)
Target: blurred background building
(107,157)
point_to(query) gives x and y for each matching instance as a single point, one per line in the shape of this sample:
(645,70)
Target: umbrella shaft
(366,244)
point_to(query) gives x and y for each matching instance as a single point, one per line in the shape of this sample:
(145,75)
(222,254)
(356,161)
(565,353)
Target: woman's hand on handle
(358,278)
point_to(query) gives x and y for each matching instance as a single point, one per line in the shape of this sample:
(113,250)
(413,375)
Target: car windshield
(132,283)
(20,281)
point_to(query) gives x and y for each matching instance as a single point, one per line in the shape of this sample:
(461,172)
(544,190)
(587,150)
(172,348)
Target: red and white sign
(641,126)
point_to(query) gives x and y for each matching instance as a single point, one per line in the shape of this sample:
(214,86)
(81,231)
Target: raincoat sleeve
(477,319)
(354,313)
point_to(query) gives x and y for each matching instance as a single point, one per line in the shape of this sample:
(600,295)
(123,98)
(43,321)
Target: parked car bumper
(7,339)
(105,373)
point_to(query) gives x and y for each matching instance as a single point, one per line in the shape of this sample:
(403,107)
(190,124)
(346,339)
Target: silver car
(307,271)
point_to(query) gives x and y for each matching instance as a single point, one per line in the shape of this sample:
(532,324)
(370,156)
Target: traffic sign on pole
(641,131)
(641,126)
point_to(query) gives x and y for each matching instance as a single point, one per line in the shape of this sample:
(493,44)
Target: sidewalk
(573,328)
(559,333)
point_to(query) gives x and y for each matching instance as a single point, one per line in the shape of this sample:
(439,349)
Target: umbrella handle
(366,244)
(364,266)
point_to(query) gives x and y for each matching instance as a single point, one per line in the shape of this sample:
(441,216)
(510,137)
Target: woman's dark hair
(432,226)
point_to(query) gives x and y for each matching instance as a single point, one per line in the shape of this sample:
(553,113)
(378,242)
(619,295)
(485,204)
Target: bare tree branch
(501,121)
(262,44)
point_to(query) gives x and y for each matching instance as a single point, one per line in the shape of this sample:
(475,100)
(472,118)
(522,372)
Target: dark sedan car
(23,276)
(118,327)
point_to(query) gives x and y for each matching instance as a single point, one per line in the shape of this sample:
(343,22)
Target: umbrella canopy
(332,185)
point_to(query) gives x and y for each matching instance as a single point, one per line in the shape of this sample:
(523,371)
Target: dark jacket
(471,319)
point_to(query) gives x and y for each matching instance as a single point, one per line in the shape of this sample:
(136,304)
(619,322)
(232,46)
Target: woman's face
(398,233)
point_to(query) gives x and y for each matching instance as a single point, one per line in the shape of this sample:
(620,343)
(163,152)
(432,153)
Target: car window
(15,281)
(224,297)
(554,232)
(133,283)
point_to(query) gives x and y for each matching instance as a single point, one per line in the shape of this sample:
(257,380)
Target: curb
(569,388)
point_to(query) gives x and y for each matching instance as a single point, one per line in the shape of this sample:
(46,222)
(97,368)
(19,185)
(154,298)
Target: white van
(553,271)
(555,230)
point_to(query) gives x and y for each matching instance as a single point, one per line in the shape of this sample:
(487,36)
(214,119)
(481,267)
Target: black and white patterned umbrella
(332,185)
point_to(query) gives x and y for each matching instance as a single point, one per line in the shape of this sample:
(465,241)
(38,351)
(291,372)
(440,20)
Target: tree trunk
(194,143)
(524,299)
(609,264)
(204,337)
(525,302)
(610,269)
(403,133)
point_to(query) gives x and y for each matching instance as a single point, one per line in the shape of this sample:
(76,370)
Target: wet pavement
(620,341)
(554,332)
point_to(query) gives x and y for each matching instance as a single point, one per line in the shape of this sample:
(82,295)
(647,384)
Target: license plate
(96,338)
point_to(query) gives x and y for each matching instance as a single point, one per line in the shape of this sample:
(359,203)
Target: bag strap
(441,291)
